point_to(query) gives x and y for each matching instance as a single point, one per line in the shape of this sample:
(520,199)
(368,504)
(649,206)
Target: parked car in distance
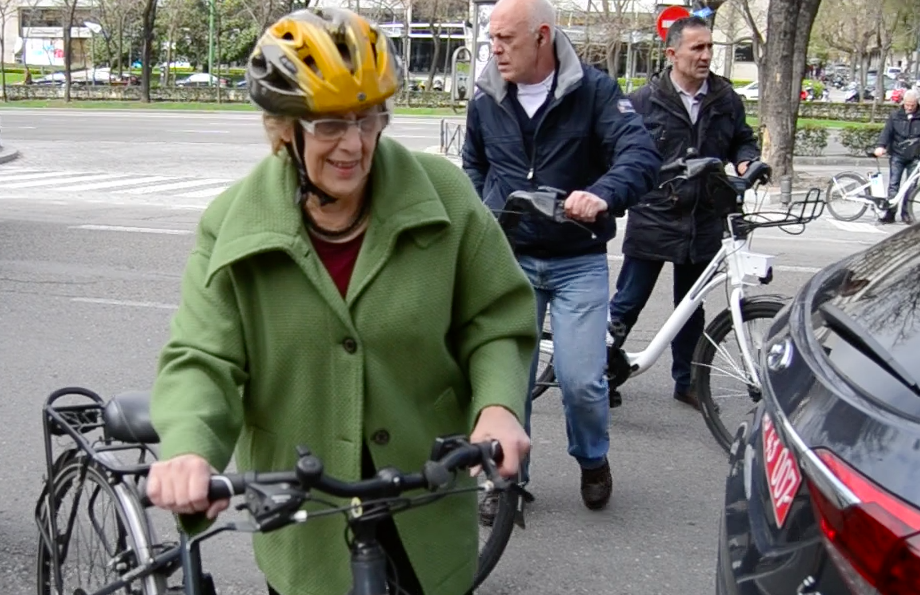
(823,490)
(201,79)
(749,91)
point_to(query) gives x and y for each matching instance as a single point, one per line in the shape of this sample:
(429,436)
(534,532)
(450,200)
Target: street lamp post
(211,42)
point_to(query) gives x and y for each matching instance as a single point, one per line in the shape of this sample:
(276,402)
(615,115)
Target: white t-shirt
(531,97)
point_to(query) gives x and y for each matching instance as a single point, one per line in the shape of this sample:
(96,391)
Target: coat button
(381,437)
(350,345)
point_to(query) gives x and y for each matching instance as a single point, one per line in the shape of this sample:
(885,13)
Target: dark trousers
(898,165)
(398,564)
(635,284)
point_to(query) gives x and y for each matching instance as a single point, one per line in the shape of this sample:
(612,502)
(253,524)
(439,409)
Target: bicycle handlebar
(690,168)
(448,455)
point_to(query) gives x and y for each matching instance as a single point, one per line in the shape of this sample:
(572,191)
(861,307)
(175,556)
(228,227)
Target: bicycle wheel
(546,373)
(709,346)
(122,534)
(499,534)
(839,188)
(912,198)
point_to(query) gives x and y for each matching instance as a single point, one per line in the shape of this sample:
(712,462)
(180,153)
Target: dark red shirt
(339,259)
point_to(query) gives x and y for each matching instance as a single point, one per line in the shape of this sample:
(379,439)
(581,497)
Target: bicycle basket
(798,213)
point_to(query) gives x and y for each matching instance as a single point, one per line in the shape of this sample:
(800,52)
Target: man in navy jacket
(540,117)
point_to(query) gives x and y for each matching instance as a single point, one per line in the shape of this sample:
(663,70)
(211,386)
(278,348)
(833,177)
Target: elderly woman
(349,295)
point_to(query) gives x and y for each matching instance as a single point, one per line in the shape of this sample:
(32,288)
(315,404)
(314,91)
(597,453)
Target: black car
(823,491)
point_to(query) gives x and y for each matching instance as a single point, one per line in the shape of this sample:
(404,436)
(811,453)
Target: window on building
(744,52)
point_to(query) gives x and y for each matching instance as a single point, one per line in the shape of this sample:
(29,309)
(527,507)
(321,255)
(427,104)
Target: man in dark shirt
(684,106)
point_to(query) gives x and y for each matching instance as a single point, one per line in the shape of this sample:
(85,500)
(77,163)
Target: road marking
(854,226)
(180,232)
(108,302)
(116,183)
(206,193)
(22,177)
(66,180)
(176,186)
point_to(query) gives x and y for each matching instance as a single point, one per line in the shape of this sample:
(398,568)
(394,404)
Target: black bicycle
(133,561)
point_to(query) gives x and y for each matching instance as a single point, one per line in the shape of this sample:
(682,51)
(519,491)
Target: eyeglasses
(335,128)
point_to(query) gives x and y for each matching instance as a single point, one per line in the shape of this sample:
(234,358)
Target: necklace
(337,234)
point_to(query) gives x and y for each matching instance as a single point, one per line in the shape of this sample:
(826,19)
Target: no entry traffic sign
(667,18)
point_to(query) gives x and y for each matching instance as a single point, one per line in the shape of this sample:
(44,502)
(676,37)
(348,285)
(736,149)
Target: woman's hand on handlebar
(180,485)
(497,423)
(584,206)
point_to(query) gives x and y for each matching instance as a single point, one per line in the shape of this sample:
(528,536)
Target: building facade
(33,33)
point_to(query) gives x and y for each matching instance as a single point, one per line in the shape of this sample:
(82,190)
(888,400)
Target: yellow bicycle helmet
(319,61)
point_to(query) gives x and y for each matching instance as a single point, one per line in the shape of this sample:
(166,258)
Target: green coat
(438,323)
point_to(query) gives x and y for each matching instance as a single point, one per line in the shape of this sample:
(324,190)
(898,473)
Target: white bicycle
(735,264)
(849,194)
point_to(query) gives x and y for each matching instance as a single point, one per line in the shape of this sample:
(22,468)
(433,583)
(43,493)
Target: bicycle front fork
(368,563)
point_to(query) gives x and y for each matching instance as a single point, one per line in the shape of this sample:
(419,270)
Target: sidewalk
(8,153)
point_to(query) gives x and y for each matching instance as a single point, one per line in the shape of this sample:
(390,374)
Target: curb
(8,154)
(841,161)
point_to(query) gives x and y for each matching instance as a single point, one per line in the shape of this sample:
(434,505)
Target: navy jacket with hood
(588,138)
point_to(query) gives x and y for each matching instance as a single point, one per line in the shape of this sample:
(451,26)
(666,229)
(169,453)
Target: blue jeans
(577,288)
(898,165)
(634,288)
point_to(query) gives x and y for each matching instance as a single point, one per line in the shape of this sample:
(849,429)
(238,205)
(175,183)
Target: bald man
(540,117)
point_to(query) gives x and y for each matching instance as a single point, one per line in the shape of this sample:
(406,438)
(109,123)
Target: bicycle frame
(900,199)
(744,268)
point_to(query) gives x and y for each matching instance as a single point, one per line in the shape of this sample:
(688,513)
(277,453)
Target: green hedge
(857,140)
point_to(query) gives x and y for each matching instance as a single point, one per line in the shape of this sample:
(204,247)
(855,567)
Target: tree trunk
(68,43)
(789,24)
(148,20)
(436,39)
(613,58)
(2,65)
(121,45)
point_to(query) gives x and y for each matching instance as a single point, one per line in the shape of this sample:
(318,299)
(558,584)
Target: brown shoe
(687,398)
(596,486)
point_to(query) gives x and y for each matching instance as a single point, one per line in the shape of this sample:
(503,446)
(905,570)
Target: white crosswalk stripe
(173,186)
(69,183)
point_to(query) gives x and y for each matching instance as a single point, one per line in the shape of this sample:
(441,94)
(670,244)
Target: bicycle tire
(860,179)
(548,375)
(502,528)
(705,352)
(913,197)
(69,469)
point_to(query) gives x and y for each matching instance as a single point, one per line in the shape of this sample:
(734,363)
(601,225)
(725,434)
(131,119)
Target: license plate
(783,475)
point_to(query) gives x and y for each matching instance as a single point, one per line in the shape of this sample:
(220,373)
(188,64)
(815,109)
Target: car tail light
(875,542)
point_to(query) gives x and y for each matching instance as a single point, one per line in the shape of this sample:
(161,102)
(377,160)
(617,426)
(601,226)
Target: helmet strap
(307,186)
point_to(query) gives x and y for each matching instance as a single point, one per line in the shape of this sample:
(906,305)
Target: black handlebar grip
(222,487)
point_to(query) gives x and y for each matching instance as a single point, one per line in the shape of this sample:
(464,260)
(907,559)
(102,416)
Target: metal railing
(452,137)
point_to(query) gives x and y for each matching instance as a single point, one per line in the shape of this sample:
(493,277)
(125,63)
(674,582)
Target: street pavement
(96,220)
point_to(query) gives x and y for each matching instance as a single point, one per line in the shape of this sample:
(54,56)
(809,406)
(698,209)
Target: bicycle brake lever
(273,506)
